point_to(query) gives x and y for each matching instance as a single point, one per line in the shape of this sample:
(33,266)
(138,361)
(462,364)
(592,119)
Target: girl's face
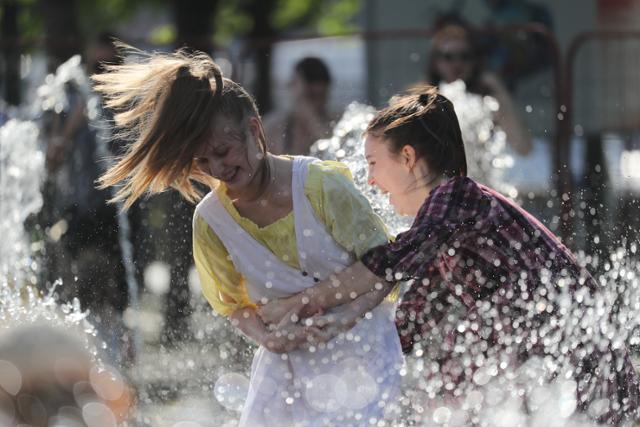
(454,60)
(393,174)
(233,154)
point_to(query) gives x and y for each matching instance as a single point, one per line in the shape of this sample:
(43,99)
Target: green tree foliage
(94,16)
(300,17)
(233,19)
(100,15)
(29,21)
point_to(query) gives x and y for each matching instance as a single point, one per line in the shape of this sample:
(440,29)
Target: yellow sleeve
(222,285)
(344,210)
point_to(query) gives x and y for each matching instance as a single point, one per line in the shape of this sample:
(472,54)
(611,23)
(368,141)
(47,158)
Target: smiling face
(233,154)
(393,174)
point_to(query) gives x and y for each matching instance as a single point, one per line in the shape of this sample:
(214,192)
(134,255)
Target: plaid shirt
(488,281)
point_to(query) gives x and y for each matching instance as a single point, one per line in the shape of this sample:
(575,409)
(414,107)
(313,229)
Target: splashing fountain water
(484,143)
(493,395)
(22,173)
(53,97)
(345,145)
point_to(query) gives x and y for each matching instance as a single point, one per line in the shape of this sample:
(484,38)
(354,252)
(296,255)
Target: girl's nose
(371,180)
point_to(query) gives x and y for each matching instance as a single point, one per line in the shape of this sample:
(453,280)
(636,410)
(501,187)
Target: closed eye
(221,152)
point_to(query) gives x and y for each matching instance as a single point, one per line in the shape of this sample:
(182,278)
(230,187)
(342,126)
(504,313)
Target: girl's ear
(254,127)
(408,156)
(257,131)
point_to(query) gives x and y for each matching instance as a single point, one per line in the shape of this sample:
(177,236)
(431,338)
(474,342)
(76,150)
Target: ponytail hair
(426,121)
(164,107)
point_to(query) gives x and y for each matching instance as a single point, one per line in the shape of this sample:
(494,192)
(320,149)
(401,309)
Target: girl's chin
(236,181)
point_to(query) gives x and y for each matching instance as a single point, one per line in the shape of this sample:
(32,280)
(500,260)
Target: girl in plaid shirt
(492,291)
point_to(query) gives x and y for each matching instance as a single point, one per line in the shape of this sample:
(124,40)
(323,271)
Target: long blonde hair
(164,107)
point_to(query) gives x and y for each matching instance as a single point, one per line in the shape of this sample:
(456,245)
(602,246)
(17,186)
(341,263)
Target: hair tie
(183,72)
(423,98)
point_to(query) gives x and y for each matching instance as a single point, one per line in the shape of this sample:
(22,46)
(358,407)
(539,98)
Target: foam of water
(21,174)
(346,146)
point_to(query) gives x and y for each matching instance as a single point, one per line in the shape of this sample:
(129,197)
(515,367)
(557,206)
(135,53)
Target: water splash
(541,392)
(53,96)
(493,399)
(103,156)
(22,174)
(346,146)
(23,302)
(484,142)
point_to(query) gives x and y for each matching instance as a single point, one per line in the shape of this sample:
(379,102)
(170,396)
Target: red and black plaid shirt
(486,274)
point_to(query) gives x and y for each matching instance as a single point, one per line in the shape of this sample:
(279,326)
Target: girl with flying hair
(495,298)
(270,227)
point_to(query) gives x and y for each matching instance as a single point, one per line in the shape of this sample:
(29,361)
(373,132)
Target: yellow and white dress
(351,379)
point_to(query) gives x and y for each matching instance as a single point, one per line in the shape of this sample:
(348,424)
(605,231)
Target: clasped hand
(288,334)
(298,325)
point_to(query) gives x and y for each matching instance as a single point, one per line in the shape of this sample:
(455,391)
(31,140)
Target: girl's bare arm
(339,289)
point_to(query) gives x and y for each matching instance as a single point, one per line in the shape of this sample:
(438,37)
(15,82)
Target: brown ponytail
(165,105)
(425,120)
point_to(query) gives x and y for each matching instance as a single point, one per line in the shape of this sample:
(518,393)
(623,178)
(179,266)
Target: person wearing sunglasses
(454,57)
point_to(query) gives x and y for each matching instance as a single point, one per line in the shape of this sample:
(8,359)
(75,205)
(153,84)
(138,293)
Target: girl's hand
(292,338)
(331,325)
(275,311)
(290,335)
(346,316)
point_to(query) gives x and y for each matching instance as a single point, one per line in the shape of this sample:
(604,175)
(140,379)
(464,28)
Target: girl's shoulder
(455,200)
(330,169)
(328,176)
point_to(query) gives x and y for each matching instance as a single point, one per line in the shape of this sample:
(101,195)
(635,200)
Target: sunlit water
(23,302)
(21,176)
(218,362)
(542,392)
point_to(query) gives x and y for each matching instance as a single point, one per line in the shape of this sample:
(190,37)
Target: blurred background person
(517,55)
(85,250)
(455,57)
(308,118)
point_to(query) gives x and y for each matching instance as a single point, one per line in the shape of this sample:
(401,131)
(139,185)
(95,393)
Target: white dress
(350,380)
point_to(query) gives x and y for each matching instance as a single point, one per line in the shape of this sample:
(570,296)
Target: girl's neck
(420,192)
(434,183)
